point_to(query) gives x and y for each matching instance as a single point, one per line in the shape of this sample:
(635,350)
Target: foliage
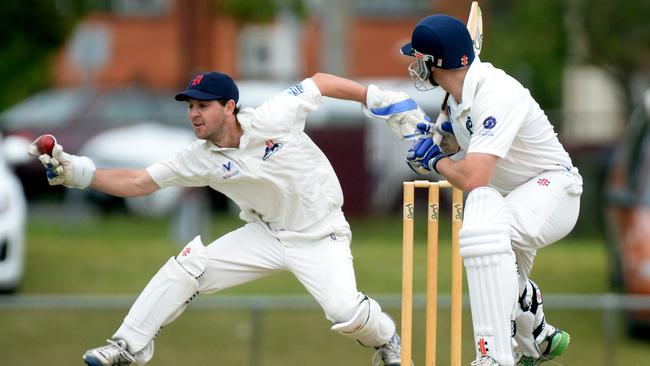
(30,33)
(615,36)
(618,36)
(535,54)
(258,10)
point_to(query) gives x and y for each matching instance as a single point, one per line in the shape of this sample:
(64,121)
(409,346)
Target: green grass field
(118,254)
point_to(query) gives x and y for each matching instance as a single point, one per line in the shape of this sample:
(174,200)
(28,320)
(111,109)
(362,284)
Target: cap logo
(197,80)
(439,62)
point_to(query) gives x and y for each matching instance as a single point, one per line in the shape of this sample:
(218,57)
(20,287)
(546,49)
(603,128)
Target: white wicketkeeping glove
(62,168)
(400,112)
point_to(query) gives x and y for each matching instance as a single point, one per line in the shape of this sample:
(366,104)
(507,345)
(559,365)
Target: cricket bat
(475,27)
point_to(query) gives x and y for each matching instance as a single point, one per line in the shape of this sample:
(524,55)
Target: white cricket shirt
(277,176)
(498,116)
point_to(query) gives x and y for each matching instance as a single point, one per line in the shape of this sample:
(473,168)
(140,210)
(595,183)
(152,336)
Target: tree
(528,39)
(30,32)
(618,38)
(258,10)
(534,40)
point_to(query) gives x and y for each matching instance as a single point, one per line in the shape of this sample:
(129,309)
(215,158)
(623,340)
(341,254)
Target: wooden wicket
(432,271)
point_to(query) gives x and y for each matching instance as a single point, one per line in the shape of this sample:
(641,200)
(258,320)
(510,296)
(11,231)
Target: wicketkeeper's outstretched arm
(124,182)
(74,171)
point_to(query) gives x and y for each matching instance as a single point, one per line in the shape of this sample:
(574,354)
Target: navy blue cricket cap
(443,40)
(210,86)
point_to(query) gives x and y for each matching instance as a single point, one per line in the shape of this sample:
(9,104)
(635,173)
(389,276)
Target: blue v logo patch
(229,169)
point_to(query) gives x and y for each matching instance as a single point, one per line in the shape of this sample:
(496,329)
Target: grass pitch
(118,254)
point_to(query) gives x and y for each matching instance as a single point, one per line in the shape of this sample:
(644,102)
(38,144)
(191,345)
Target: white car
(13,213)
(139,146)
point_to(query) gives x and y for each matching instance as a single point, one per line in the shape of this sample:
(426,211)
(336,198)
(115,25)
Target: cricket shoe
(553,346)
(484,361)
(112,354)
(390,354)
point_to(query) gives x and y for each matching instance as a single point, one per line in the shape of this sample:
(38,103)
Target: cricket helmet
(442,41)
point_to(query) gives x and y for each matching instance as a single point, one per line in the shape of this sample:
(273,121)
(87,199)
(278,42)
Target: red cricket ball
(45,144)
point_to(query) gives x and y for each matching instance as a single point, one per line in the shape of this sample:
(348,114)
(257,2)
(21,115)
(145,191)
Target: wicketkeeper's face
(207,118)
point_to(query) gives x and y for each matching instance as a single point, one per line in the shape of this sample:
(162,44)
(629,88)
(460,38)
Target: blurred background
(101,74)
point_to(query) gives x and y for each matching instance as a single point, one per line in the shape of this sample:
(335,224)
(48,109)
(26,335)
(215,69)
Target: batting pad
(491,273)
(369,326)
(162,300)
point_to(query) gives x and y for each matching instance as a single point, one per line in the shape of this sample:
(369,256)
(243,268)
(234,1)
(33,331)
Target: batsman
(493,141)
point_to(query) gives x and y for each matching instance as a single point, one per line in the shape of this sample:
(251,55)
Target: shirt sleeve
(288,110)
(182,169)
(496,120)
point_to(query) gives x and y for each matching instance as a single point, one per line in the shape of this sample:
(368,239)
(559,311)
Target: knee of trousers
(193,258)
(369,325)
(340,309)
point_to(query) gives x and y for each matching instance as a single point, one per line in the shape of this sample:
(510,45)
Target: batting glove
(423,156)
(400,112)
(444,134)
(65,169)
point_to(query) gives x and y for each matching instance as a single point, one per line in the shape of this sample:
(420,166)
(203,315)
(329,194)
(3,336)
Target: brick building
(158,43)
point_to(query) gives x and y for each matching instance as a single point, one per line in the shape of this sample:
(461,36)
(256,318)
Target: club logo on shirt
(469,125)
(229,170)
(488,125)
(296,90)
(544,182)
(271,148)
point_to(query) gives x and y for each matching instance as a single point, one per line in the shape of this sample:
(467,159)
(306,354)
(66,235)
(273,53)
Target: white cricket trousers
(544,209)
(323,267)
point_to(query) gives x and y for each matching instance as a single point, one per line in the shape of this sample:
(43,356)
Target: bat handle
(443,107)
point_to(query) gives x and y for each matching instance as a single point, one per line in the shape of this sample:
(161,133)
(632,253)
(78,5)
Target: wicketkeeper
(523,190)
(290,201)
